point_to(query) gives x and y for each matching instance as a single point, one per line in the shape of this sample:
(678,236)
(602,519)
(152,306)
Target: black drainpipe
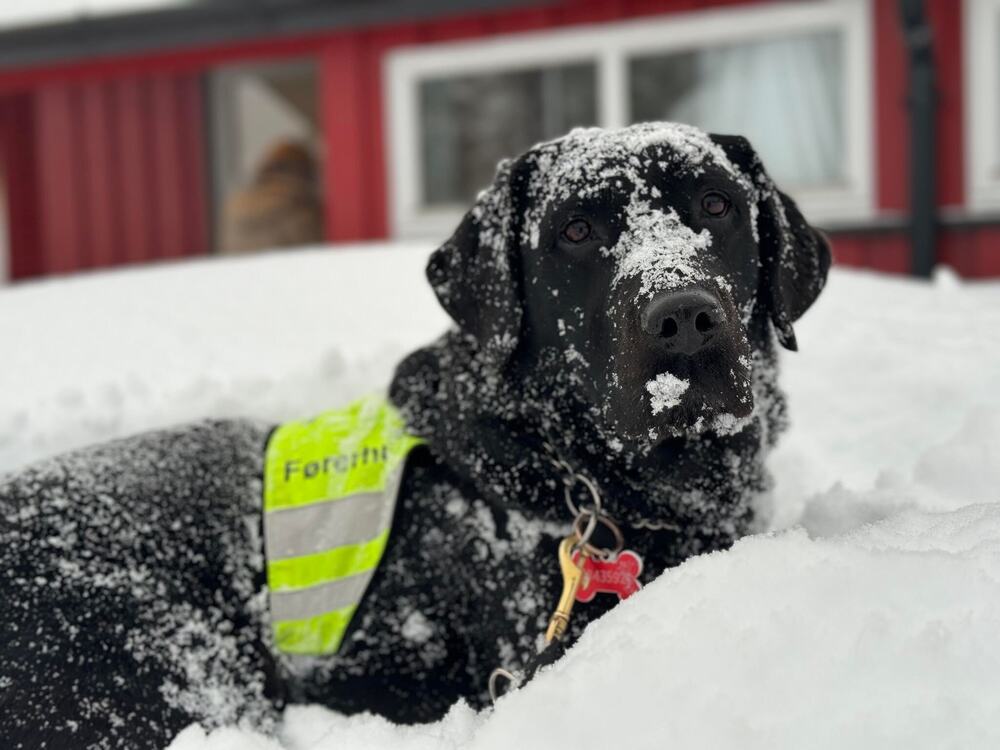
(921,101)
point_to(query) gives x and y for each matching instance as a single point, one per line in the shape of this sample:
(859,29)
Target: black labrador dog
(619,299)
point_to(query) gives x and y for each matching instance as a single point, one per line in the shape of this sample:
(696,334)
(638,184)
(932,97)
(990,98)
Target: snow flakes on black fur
(495,427)
(131,588)
(134,587)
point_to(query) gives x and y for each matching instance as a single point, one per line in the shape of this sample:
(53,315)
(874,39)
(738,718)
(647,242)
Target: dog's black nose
(685,321)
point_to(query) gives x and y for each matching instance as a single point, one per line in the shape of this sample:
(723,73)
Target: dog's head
(647,258)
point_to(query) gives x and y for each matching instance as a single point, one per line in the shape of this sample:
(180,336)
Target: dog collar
(570,478)
(586,570)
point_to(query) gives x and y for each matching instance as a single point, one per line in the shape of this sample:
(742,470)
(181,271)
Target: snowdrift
(866,618)
(275,336)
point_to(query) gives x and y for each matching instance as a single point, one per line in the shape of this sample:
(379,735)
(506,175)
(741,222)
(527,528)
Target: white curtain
(786,96)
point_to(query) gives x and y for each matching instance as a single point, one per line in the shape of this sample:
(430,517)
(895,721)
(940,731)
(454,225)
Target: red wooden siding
(121,171)
(358,134)
(888,251)
(121,161)
(891,131)
(946,21)
(17,165)
(973,251)
(892,117)
(346,132)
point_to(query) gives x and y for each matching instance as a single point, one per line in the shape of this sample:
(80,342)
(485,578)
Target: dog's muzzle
(683,322)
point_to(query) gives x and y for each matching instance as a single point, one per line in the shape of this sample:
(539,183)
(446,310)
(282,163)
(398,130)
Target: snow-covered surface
(275,336)
(870,621)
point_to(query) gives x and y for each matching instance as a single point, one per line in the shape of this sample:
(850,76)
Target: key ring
(583,537)
(569,480)
(588,532)
(589,484)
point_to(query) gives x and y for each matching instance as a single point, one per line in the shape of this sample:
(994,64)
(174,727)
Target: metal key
(572,578)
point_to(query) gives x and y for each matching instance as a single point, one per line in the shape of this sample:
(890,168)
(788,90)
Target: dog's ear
(471,273)
(795,257)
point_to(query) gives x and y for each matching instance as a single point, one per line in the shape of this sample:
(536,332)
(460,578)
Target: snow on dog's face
(642,257)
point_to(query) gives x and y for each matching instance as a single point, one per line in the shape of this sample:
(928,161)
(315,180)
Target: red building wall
(17,159)
(972,251)
(358,119)
(120,167)
(122,174)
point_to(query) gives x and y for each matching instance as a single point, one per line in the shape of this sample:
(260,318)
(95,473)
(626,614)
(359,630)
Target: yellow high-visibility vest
(330,487)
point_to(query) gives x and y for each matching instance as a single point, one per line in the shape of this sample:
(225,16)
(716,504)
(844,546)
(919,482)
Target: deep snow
(837,633)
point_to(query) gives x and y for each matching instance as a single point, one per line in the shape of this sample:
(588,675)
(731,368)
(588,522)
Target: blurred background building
(137,130)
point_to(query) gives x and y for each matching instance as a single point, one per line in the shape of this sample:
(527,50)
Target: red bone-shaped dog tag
(619,575)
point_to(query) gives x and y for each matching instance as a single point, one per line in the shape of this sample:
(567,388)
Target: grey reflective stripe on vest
(290,532)
(314,601)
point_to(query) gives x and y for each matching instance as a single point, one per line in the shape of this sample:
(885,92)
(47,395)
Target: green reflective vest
(330,487)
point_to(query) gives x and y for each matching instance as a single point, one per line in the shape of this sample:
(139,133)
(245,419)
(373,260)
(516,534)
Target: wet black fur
(131,573)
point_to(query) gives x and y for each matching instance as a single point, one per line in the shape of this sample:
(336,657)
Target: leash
(586,569)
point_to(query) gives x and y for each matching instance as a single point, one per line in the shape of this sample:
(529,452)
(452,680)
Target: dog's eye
(576,231)
(715,204)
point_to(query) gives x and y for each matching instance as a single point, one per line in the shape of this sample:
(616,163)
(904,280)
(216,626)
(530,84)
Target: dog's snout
(685,322)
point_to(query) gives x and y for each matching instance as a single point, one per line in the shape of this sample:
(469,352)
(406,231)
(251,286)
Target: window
(265,160)
(982,98)
(782,94)
(793,78)
(469,123)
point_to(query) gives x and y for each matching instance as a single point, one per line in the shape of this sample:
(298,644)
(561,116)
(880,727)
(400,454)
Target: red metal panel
(96,156)
(341,97)
(77,168)
(133,120)
(847,250)
(955,248)
(987,253)
(527,19)
(888,252)
(891,125)
(600,11)
(647,7)
(61,225)
(121,174)
(946,22)
(194,191)
(974,252)
(166,165)
(17,164)
(156,184)
(884,251)
(466,27)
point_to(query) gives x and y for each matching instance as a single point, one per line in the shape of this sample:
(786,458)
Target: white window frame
(982,105)
(610,46)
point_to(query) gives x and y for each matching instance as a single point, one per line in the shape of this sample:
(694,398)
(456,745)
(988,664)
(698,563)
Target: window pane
(264,156)
(469,123)
(785,95)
